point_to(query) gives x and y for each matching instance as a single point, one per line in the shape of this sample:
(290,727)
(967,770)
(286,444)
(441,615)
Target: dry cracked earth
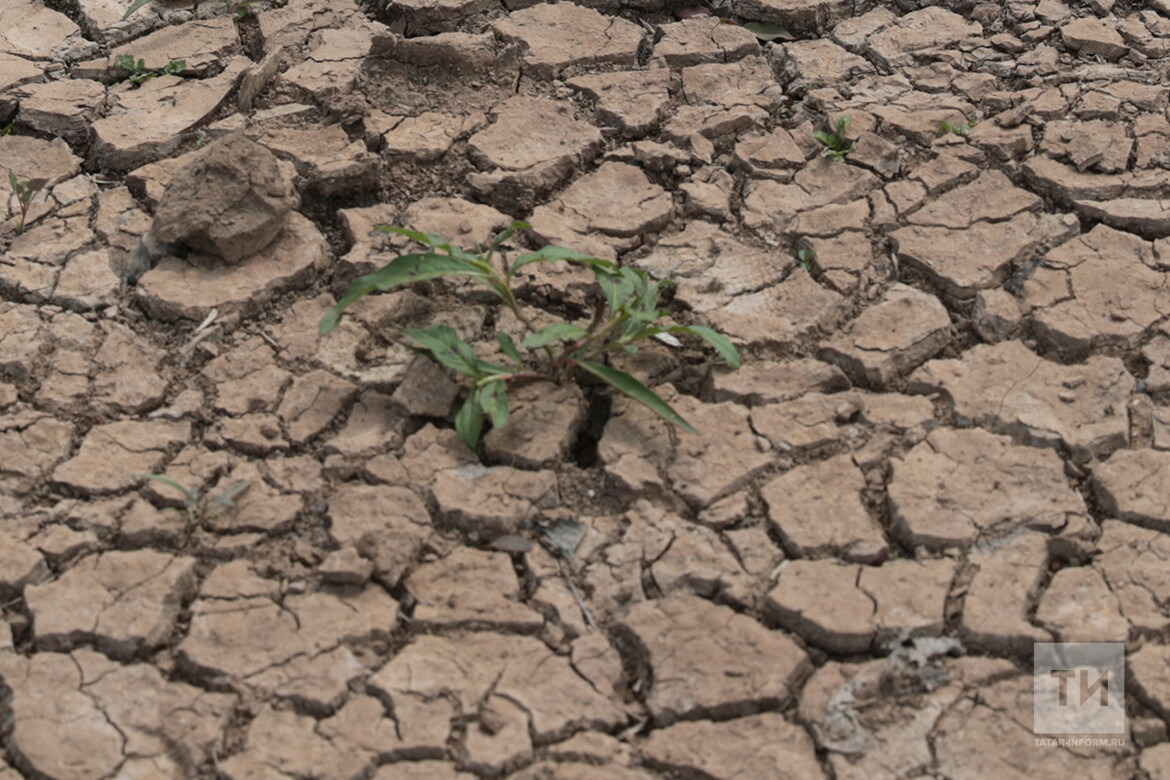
(950,438)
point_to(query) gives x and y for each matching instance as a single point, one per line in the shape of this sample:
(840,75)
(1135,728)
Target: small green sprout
(196,504)
(766,32)
(625,314)
(963,129)
(140,73)
(836,145)
(808,258)
(24,190)
(133,7)
(243,8)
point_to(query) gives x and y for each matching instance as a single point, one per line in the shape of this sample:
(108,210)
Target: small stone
(231,202)
(543,424)
(426,390)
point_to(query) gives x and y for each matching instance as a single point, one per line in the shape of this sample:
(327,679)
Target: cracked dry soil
(950,438)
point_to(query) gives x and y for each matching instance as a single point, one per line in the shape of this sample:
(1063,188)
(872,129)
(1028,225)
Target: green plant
(133,7)
(807,258)
(6,129)
(140,73)
(625,314)
(836,145)
(196,503)
(25,190)
(963,129)
(243,8)
(766,32)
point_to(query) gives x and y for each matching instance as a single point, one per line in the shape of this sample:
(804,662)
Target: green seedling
(24,190)
(243,8)
(133,7)
(766,32)
(963,129)
(196,504)
(836,145)
(140,73)
(807,258)
(625,314)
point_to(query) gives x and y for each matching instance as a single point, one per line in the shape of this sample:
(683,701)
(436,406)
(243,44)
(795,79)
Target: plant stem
(510,299)
(487,380)
(588,339)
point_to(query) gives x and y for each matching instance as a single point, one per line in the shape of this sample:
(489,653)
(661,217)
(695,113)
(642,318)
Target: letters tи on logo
(1079,688)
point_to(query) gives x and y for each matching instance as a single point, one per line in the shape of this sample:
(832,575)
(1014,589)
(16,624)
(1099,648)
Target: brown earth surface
(950,438)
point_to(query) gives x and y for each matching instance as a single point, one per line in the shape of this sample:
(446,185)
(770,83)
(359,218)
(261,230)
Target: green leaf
(487,369)
(618,288)
(429,239)
(510,543)
(406,269)
(556,253)
(622,381)
(187,494)
(133,7)
(766,31)
(464,351)
(508,347)
(721,343)
(469,420)
(174,66)
(558,331)
(507,233)
(493,397)
(227,497)
(447,348)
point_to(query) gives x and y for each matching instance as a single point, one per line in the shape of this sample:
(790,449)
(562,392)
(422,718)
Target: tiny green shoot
(133,7)
(836,146)
(951,127)
(24,190)
(140,73)
(196,504)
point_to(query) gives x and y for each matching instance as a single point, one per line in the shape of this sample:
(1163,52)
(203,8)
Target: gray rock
(231,202)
